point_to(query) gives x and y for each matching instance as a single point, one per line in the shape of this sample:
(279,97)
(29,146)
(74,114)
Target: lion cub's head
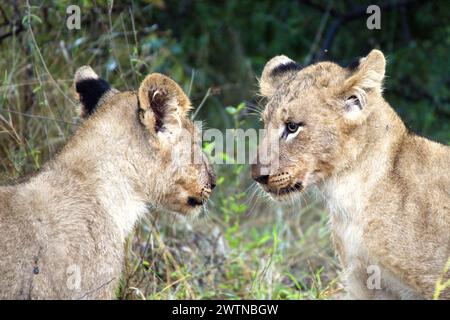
(158,146)
(312,116)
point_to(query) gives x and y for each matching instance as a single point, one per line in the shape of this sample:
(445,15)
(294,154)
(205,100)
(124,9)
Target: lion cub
(387,189)
(62,232)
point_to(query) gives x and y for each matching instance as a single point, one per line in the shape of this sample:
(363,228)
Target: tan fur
(387,189)
(67,225)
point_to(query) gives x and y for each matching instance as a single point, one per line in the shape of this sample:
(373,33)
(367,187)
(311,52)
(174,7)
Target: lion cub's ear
(369,74)
(274,72)
(90,89)
(162,102)
(365,77)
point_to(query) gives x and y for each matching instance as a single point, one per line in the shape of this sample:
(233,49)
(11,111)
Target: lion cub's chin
(185,210)
(287,194)
(285,197)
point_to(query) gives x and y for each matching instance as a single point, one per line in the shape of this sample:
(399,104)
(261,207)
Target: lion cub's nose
(193,202)
(264,179)
(257,175)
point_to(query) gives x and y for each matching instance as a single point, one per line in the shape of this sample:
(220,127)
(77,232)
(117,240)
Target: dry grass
(276,253)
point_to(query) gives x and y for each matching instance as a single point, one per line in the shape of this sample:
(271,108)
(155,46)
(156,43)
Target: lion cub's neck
(99,159)
(368,161)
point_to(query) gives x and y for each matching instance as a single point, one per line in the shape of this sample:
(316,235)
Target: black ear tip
(91,91)
(285,67)
(90,88)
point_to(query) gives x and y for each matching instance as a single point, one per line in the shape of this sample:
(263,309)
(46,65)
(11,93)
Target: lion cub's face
(188,177)
(168,164)
(310,115)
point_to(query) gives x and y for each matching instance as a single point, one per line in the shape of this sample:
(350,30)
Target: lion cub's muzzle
(279,183)
(203,196)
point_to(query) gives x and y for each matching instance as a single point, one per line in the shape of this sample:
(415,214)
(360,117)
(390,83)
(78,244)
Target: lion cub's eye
(292,130)
(292,127)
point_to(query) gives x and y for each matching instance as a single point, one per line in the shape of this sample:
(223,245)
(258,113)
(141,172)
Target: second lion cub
(62,232)
(388,190)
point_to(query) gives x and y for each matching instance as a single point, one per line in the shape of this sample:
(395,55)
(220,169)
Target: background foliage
(245,248)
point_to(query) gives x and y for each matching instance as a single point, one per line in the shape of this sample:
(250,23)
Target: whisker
(253,199)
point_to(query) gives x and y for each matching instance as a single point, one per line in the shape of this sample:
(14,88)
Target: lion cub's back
(16,243)
(419,237)
(429,169)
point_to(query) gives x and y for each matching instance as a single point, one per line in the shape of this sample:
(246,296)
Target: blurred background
(245,247)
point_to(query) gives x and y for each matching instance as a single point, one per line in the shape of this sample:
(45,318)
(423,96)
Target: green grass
(272,254)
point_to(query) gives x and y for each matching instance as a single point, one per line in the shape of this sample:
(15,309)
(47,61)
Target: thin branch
(36,116)
(319,34)
(96,289)
(44,64)
(405,25)
(341,18)
(15,23)
(208,93)
(13,32)
(5,17)
(329,37)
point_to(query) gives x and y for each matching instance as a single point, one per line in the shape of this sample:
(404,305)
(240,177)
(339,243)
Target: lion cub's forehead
(311,81)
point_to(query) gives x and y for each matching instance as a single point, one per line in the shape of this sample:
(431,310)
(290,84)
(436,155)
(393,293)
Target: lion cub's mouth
(291,189)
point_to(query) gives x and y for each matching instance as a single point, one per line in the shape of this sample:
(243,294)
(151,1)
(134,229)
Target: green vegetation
(245,247)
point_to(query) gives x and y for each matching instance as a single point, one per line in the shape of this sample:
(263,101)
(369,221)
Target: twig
(36,116)
(319,33)
(341,18)
(16,25)
(96,289)
(331,33)
(191,83)
(201,103)
(14,32)
(42,58)
(14,133)
(405,25)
